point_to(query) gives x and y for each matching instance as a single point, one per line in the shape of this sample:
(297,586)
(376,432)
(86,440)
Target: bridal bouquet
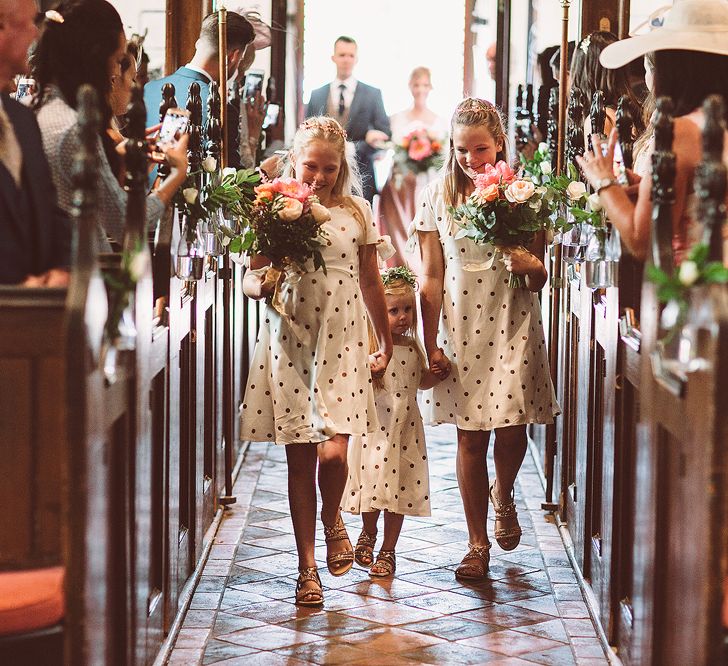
(284,224)
(504,210)
(418,152)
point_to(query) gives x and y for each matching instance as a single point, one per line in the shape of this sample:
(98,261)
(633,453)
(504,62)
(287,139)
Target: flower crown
(476,104)
(584,45)
(332,127)
(399,273)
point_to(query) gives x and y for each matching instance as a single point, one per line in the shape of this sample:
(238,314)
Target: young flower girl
(388,470)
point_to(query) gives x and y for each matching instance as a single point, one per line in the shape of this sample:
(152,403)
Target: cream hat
(691,25)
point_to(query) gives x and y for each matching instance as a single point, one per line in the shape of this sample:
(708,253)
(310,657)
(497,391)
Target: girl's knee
(332,454)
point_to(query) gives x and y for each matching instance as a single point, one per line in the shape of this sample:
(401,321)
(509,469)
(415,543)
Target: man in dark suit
(204,68)
(34,232)
(357,106)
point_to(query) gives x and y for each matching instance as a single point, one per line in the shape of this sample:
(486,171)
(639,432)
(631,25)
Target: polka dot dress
(309,377)
(388,469)
(491,333)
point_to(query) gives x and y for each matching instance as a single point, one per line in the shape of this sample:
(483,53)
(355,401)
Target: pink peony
(500,173)
(288,187)
(420,149)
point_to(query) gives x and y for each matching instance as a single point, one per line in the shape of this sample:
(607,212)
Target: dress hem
(499,424)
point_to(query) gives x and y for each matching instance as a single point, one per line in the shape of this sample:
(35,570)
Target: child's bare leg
(392,528)
(364,551)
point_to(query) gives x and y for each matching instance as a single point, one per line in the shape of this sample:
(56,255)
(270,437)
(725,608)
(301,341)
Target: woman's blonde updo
(472,112)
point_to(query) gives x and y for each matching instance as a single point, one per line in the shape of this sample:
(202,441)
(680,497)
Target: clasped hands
(378,362)
(440,365)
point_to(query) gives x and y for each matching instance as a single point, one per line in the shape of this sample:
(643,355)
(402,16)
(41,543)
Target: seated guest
(34,232)
(204,68)
(83,43)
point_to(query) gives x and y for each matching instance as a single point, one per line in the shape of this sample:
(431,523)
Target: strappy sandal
(385,565)
(507,537)
(364,551)
(474,566)
(338,563)
(310,597)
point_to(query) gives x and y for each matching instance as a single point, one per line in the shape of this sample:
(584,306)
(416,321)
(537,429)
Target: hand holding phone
(271,116)
(173,126)
(253,83)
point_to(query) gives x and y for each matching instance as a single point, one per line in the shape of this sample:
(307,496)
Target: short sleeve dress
(388,469)
(309,377)
(491,333)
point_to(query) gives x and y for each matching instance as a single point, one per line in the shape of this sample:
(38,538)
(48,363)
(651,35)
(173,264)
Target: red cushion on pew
(30,600)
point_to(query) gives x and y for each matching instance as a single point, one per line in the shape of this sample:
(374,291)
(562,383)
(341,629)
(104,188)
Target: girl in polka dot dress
(483,339)
(309,386)
(388,471)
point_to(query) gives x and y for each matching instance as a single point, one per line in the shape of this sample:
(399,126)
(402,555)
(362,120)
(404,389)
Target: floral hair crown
(476,104)
(332,127)
(399,273)
(584,44)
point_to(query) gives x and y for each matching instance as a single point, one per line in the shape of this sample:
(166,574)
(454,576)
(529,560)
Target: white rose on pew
(520,191)
(190,194)
(320,213)
(543,147)
(594,202)
(138,266)
(545,167)
(225,240)
(292,210)
(229,171)
(209,164)
(688,273)
(576,190)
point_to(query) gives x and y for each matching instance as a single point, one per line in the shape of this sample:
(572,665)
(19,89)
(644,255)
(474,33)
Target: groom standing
(358,107)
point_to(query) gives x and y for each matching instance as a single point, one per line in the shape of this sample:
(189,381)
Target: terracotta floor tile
(217,651)
(385,588)
(248,552)
(198,619)
(452,628)
(510,661)
(390,614)
(579,628)
(263,659)
(234,598)
(545,604)
(205,600)
(568,592)
(499,591)
(185,657)
(588,648)
(273,611)
(552,629)
(454,653)
(440,579)
(510,642)
(392,640)
(506,615)
(329,624)
(560,656)
(268,637)
(573,609)
(192,638)
(325,652)
(225,623)
(446,602)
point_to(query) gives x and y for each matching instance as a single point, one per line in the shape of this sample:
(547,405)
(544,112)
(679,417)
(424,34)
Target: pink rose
(288,187)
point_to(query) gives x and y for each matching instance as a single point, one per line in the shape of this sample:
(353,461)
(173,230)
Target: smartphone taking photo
(253,83)
(25,87)
(175,122)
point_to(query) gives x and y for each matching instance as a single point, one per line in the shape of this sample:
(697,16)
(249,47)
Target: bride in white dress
(397,199)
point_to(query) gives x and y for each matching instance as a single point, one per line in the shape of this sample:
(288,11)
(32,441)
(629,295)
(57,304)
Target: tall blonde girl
(388,469)
(482,338)
(309,386)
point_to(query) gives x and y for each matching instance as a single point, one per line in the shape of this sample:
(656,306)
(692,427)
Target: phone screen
(175,122)
(271,115)
(25,88)
(253,83)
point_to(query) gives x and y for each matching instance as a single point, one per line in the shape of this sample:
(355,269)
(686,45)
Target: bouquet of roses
(504,210)
(418,152)
(284,224)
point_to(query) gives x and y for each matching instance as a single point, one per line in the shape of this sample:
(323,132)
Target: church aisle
(530,611)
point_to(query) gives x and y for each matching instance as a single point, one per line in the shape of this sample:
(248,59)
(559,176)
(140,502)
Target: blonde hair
(420,72)
(471,112)
(399,287)
(348,182)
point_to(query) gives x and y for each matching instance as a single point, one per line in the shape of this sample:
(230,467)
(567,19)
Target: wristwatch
(603,183)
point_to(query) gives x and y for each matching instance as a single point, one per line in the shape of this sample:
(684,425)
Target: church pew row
(113,543)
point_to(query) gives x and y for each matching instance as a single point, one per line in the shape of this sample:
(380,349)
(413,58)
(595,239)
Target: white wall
(141,15)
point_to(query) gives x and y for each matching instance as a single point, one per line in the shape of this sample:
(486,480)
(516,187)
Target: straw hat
(691,25)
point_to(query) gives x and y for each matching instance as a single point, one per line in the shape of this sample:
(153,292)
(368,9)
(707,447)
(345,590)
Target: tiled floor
(530,611)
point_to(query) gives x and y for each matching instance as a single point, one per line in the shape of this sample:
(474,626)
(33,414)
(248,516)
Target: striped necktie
(342,101)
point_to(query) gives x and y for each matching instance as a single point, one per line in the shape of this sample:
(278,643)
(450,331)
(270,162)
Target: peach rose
(487,193)
(292,209)
(520,191)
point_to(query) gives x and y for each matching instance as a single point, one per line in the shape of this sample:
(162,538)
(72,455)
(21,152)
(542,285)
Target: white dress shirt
(335,91)
(199,70)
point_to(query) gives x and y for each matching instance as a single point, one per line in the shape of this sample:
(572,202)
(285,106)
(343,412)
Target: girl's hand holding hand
(378,362)
(439,364)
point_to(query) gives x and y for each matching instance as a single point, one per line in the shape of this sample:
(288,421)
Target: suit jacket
(366,113)
(35,234)
(181,81)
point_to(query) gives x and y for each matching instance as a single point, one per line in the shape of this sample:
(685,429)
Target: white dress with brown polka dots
(309,377)
(491,333)
(388,470)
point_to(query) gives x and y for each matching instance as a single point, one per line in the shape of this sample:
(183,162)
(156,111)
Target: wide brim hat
(691,25)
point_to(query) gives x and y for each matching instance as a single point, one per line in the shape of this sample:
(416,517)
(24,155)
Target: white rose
(545,168)
(190,194)
(385,249)
(229,171)
(239,258)
(543,147)
(520,191)
(594,202)
(291,210)
(688,273)
(225,240)
(209,164)
(320,213)
(138,266)
(576,190)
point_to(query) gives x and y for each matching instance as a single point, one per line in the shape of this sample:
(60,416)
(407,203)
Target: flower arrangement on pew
(504,210)
(284,224)
(418,152)
(674,290)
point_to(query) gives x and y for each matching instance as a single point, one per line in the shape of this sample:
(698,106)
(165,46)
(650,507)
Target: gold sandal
(338,563)
(364,551)
(385,565)
(474,566)
(309,597)
(507,537)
